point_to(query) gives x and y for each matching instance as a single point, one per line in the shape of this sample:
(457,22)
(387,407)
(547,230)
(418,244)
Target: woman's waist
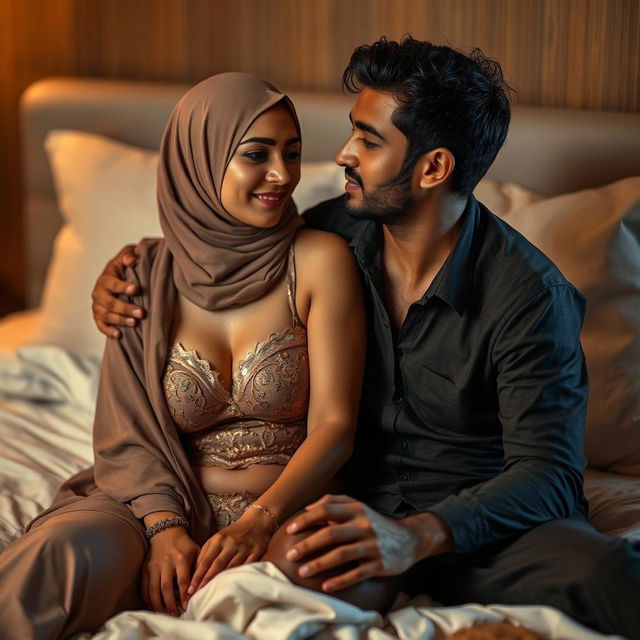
(245,443)
(255,479)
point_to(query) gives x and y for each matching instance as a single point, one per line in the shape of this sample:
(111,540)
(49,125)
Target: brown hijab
(218,261)
(212,259)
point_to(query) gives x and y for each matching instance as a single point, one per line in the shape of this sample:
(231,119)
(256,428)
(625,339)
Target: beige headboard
(551,151)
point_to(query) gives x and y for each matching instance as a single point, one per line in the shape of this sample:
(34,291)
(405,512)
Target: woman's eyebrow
(270,141)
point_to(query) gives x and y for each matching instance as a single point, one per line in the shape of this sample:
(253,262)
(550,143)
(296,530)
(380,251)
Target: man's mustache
(353,174)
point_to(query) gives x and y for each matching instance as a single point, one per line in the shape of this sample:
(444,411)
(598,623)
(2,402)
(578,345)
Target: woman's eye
(255,156)
(293,156)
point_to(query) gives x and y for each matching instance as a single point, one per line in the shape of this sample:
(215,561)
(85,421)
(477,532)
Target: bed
(569,180)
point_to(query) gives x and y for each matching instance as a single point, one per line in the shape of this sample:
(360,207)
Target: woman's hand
(107,308)
(170,558)
(242,542)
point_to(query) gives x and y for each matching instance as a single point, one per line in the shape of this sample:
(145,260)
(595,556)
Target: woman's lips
(271,199)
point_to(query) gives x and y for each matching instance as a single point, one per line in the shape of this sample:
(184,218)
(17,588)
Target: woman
(227,410)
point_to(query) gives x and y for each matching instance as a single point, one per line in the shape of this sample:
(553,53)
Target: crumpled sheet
(258,602)
(47,403)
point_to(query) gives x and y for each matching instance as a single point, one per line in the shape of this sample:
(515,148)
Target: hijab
(218,261)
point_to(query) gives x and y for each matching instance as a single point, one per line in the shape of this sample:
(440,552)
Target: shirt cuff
(463,523)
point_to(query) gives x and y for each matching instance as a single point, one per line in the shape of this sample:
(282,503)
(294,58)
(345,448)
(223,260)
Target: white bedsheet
(47,400)
(258,602)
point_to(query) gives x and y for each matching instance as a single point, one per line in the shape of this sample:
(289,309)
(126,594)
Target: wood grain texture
(561,53)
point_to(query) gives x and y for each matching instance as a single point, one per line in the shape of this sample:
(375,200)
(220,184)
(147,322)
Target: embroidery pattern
(228,507)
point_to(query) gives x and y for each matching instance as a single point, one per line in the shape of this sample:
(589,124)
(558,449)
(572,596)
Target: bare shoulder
(326,270)
(322,250)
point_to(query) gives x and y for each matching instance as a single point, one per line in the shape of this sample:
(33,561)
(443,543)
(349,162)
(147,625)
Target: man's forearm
(526,495)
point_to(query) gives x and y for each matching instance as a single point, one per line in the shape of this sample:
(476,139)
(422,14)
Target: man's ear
(435,167)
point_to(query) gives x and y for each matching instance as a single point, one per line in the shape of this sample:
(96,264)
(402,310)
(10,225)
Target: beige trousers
(70,573)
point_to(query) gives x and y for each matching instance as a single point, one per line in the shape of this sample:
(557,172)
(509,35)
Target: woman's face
(264,169)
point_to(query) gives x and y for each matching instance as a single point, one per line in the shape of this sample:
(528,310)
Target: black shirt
(475,409)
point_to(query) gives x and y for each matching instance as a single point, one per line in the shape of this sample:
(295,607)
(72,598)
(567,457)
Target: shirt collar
(453,281)
(367,241)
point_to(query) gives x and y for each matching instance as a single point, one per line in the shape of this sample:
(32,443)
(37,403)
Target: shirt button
(386,323)
(404,477)
(398,398)
(405,445)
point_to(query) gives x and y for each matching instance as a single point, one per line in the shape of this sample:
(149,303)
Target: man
(466,481)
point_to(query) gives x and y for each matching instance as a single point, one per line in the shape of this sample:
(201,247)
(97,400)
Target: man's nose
(346,156)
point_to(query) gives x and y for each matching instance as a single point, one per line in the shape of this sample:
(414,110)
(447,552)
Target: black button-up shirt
(475,409)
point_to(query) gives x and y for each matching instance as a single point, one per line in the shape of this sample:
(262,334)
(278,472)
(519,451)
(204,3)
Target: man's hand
(352,532)
(106,308)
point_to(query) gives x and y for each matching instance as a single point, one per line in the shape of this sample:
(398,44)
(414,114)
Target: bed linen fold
(257,602)
(47,400)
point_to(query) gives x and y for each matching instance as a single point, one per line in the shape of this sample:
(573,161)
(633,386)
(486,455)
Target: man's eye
(367,144)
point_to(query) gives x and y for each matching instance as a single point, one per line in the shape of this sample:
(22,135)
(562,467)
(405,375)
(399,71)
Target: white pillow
(107,196)
(593,236)
(503,198)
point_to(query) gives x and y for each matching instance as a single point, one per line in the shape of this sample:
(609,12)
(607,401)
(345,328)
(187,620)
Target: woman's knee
(375,593)
(93,542)
(71,573)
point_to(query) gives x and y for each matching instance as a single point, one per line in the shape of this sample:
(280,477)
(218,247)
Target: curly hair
(446,98)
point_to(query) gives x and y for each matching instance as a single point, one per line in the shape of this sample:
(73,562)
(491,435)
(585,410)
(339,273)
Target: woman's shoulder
(312,244)
(151,265)
(147,249)
(320,253)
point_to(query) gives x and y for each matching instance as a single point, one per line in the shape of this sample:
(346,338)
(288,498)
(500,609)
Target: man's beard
(386,204)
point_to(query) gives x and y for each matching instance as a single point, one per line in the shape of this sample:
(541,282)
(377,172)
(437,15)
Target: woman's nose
(278,173)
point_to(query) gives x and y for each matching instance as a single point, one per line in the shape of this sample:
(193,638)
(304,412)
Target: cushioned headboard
(551,151)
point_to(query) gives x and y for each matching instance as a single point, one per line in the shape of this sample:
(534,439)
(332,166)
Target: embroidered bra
(262,419)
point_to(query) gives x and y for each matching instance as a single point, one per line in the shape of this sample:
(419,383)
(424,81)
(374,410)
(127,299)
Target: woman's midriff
(255,479)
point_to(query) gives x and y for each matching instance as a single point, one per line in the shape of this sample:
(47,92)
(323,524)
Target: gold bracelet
(255,505)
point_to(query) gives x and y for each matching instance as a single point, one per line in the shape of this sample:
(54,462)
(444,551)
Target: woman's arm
(329,298)
(328,282)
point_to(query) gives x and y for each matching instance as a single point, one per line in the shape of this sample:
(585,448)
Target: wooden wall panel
(36,40)
(564,53)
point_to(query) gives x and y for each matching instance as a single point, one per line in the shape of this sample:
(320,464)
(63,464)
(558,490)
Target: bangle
(165,523)
(255,505)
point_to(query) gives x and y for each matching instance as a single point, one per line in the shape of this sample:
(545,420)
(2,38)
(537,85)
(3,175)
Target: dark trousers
(565,564)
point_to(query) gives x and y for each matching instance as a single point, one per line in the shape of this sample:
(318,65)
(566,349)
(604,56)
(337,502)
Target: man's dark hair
(446,98)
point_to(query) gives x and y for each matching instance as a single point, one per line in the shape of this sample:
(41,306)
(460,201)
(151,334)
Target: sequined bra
(262,419)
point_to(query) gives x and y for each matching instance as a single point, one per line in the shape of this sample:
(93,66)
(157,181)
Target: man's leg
(566,564)
(69,574)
